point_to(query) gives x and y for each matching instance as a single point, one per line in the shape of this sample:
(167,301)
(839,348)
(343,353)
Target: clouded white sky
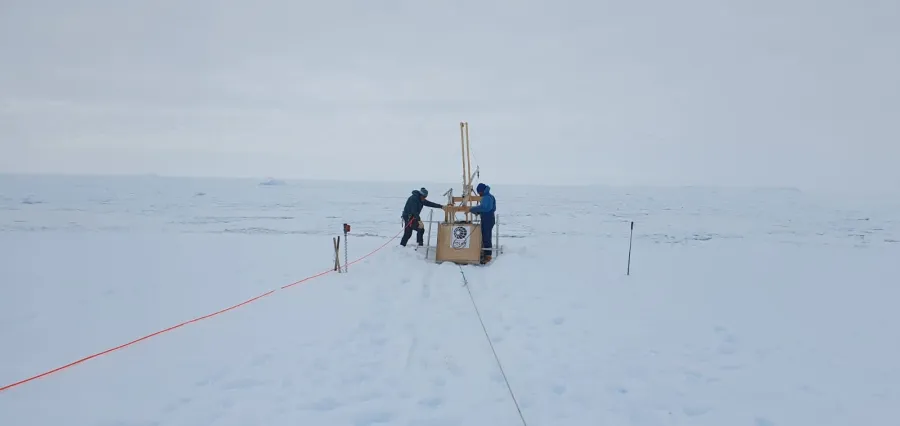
(795,93)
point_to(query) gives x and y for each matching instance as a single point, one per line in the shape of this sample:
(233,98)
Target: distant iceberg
(29,200)
(272,182)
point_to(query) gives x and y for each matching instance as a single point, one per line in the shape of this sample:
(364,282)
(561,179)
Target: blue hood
(488,203)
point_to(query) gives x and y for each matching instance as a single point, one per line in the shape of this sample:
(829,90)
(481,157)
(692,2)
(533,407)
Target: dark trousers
(408,230)
(487,229)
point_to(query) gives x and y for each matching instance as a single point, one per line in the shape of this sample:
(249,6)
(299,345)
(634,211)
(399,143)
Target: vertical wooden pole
(471,175)
(467,178)
(462,145)
(468,157)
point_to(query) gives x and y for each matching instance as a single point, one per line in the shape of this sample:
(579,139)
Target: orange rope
(47,373)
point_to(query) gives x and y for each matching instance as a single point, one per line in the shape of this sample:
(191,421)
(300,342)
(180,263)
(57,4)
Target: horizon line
(260,178)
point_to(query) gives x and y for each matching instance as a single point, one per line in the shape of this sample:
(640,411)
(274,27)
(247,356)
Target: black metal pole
(630,236)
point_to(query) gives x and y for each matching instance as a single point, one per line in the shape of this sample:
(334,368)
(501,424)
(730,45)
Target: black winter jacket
(414,205)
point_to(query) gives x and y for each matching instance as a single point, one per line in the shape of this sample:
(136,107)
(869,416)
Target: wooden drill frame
(459,240)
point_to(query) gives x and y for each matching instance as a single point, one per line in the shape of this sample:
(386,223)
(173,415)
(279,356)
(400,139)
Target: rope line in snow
(491,343)
(246,302)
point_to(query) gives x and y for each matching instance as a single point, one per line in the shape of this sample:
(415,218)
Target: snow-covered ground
(744,307)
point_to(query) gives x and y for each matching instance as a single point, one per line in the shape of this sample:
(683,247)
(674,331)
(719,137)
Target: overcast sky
(796,93)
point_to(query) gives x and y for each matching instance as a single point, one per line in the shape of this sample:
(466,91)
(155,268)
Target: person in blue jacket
(412,215)
(486,209)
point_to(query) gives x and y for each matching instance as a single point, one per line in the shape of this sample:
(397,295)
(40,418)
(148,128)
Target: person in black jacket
(411,216)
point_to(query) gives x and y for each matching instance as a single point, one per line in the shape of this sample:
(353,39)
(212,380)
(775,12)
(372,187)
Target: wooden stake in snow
(337,253)
(630,236)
